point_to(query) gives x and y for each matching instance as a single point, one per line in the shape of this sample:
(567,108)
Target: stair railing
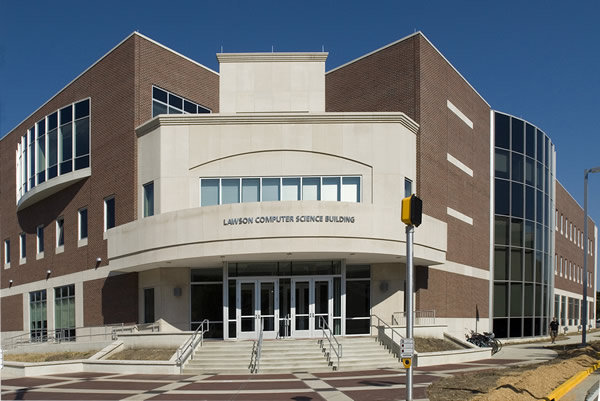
(187,349)
(390,342)
(257,349)
(328,335)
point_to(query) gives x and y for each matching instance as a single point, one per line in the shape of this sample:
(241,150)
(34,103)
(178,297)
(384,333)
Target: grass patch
(48,356)
(144,354)
(423,344)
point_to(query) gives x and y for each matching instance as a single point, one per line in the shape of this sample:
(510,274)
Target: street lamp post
(584,310)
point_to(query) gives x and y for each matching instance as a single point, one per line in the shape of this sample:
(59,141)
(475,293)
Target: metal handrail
(56,336)
(186,350)
(420,317)
(257,349)
(383,338)
(330,336)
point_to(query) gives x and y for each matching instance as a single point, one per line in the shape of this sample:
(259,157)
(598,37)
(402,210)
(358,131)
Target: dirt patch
(48,356)
(144,354)
(531,382)
(423,344)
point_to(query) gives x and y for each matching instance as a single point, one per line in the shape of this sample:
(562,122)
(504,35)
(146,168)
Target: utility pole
(412,212)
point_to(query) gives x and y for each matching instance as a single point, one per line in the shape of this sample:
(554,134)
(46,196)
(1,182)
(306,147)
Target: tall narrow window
(41,151)
(7,252)
(40,239)
(109,213)
(64,312)
(38,315)
(83,224)
(52,145)
(31,141)
(60,232)
(23,244)
(407,187)
(82,134)
(311,188)
(65,140)
(149,199)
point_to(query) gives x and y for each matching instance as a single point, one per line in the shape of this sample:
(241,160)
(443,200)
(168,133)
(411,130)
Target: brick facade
(111,300)
(571,251)
(12,313)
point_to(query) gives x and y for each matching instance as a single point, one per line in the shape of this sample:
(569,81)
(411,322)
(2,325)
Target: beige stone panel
(387,289)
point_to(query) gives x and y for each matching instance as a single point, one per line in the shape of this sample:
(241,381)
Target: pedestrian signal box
(407,362)
(412,211)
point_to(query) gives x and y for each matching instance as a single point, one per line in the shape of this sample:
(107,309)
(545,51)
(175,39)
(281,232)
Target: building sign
(287,219)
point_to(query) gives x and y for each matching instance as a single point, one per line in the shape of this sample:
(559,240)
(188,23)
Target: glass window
(500,299)
(230,190)
(529,234)
(516,299)
(189,107)
(517,199)
(501,230)
(175,101)
(516,232)
(109,213)
(502,130)
(529,202)
(331,189)
(38,315)
(250,190)
(6,251)
(351,189)
(66,115)
(41,151)
(502,164)
(210,274)
(52,153)
(502,201)
(408,187)
(517,135)
(60,232)
(517,167)
(270,189)
(311,188)
(500,263)
(148,305)
(530,140)
(23,243)
(65,147)
(82,109)
(40,239)
(82,143)
(529,262)
(64,312)
(539,207)
(209,192)
(159,94)
(83,223)
(149,199)
(158,108)
(290,189)
(540,146)
(358,271)
(516,264)
(529,171)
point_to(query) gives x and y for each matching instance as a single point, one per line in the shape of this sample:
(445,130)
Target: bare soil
(48,356)
(144,354)
(423,344)
(532,382)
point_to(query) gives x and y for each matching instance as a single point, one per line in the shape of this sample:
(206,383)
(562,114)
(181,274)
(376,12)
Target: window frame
(147,205)
(106,216)
(6,253)
(22,248)
(81,240)
(60,228)
(39,241)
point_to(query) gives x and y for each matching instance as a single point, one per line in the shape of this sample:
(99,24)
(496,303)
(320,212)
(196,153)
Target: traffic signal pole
(410,230)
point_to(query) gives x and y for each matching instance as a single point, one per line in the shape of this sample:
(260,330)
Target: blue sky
(538,60)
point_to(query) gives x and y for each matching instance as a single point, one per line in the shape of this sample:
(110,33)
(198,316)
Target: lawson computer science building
(152,187)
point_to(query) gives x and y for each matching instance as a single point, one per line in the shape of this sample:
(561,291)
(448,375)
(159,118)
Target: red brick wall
(12,313)
(110,300)
(451,295)
(568,249)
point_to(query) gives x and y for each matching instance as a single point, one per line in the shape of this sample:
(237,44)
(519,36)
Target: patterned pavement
(371,385)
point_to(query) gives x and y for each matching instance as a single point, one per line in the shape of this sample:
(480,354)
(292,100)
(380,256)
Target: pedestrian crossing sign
(407,362)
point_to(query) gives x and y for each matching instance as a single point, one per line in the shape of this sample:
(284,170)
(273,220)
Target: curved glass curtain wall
(523,228)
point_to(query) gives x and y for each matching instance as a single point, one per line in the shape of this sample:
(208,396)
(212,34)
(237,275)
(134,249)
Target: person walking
(553,329)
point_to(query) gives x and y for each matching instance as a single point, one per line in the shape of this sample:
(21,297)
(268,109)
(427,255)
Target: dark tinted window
(501,230)
(517,167)
(540,146)
(66,115)
(502,164)
(202,110)
(517,135)
(82,109)
(110,213)
(517,199)
(158,108)
(502,131)
(41,128)
(530,140)
(502,196)
(159,94)
(52,121)
(530,203)
(189,107)
(175,101)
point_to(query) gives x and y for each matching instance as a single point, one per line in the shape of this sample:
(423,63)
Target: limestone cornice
(271,57)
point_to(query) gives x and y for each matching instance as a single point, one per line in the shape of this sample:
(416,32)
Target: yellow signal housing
(412,210)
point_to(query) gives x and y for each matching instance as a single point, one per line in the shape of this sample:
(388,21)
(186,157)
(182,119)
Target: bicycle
(484,340)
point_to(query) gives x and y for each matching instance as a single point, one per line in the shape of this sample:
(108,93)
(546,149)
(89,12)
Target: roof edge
(403,39)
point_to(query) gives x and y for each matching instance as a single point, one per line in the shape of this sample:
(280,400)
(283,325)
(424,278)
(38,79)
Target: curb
(567,386)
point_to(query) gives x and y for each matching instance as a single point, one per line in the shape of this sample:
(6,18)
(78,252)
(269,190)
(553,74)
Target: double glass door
(312,304)
(257,302)
(308,302)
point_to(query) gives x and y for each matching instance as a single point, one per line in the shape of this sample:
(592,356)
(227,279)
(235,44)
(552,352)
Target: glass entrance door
(256,304)
(312,299)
